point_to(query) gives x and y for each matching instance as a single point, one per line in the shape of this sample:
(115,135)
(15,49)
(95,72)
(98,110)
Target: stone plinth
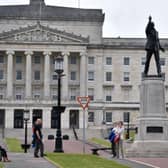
(152,137)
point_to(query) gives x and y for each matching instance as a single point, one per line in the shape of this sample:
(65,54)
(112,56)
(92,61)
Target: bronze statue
(152,47)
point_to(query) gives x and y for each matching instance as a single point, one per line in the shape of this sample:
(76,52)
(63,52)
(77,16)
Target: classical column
(99,79)
(83,76)
(65,89)
(28,92)
(10,74)
(47,74)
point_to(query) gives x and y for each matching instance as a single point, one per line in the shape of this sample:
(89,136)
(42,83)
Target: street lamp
(26,117)
(59,109)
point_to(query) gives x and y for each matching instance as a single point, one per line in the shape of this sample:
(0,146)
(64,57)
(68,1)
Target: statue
(152,47)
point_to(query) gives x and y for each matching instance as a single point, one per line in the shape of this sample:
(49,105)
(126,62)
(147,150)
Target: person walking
(119,145)
(38,139)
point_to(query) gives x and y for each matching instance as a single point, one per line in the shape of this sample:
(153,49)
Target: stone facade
(106,69)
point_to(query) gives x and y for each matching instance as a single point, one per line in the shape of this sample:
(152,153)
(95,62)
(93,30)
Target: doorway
(37,113)
(74,119)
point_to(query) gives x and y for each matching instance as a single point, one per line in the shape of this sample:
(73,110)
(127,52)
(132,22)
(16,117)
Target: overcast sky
(124,18)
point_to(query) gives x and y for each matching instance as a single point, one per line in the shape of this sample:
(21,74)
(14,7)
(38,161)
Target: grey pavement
(26,160)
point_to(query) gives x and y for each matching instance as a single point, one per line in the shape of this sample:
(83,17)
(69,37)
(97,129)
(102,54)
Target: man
(152,47)
(38,138)
(112,137)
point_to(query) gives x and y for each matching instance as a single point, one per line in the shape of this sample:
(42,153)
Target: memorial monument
(152,124)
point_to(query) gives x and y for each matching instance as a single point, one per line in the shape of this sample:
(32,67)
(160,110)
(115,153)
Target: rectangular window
(108,117)
(1,96)
(18,59)
(18,119)
(36,96)
(37,59)
(90,60)
(54,97)
(73,59)
(108,76)
(1,59)
(55,77)
(162,61)
(90,75)
(37,75)
(18,75)
(54,93)
(108,61)
(126,76)
(18,97)
(91,94)
(126,61)
(126,117)
(143,60)
(73,94)
(108,98)
(73,75)
(1,74)
(90,116)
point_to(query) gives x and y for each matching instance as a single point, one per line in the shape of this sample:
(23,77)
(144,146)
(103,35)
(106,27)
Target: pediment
(41,34)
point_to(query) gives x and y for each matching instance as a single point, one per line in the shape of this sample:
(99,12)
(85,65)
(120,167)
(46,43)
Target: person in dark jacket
(4,155)
(152,47)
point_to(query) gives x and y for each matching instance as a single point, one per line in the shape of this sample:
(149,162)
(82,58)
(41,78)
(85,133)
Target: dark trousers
(157,60)
(113,147)
(39,146)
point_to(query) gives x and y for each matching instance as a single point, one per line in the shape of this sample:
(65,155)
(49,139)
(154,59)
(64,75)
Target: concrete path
(26,160)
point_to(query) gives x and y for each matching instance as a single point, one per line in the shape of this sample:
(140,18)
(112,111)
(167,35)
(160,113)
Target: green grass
(82,161)
(1,165)
(102,142)
(13,145)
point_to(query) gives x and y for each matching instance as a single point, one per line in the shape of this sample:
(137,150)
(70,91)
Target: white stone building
(106,69)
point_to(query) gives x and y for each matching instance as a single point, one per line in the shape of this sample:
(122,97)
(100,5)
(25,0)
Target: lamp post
(26,118)
(59,109)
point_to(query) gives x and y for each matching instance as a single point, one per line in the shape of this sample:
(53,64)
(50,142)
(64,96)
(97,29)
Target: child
(4,155)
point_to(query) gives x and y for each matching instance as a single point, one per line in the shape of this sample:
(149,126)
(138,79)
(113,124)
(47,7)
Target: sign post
(84,102)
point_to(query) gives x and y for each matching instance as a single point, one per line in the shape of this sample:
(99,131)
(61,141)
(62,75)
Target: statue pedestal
(152,137)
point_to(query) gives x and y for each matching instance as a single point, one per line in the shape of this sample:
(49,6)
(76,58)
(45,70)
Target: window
(1,74)
(143,60)
(1,59)
(108,61)
(37,75)
(18,59)
(108,76)
(73,94)
(126,61)
(73,59)
(91,93)
(37,60)
(108,98)
(126,76)
(90,116)
(162,61)
(54,93)
(54,97)
(37,96)
(1,96)
(18,75)
(18,97)
(90,75)
(126,117)
(73,75)
(55,77)
(18,119)
(109,117)
(90,60)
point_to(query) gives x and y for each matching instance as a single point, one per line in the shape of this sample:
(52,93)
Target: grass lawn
(102,142)
(82,161)
(13,145)
(1,165)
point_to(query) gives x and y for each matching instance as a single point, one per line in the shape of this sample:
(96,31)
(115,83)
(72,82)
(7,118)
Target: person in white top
(120,131)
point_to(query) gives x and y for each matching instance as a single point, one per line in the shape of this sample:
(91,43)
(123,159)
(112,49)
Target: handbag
(117,138)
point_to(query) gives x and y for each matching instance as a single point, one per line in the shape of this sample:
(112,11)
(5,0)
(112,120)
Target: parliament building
(108,70)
